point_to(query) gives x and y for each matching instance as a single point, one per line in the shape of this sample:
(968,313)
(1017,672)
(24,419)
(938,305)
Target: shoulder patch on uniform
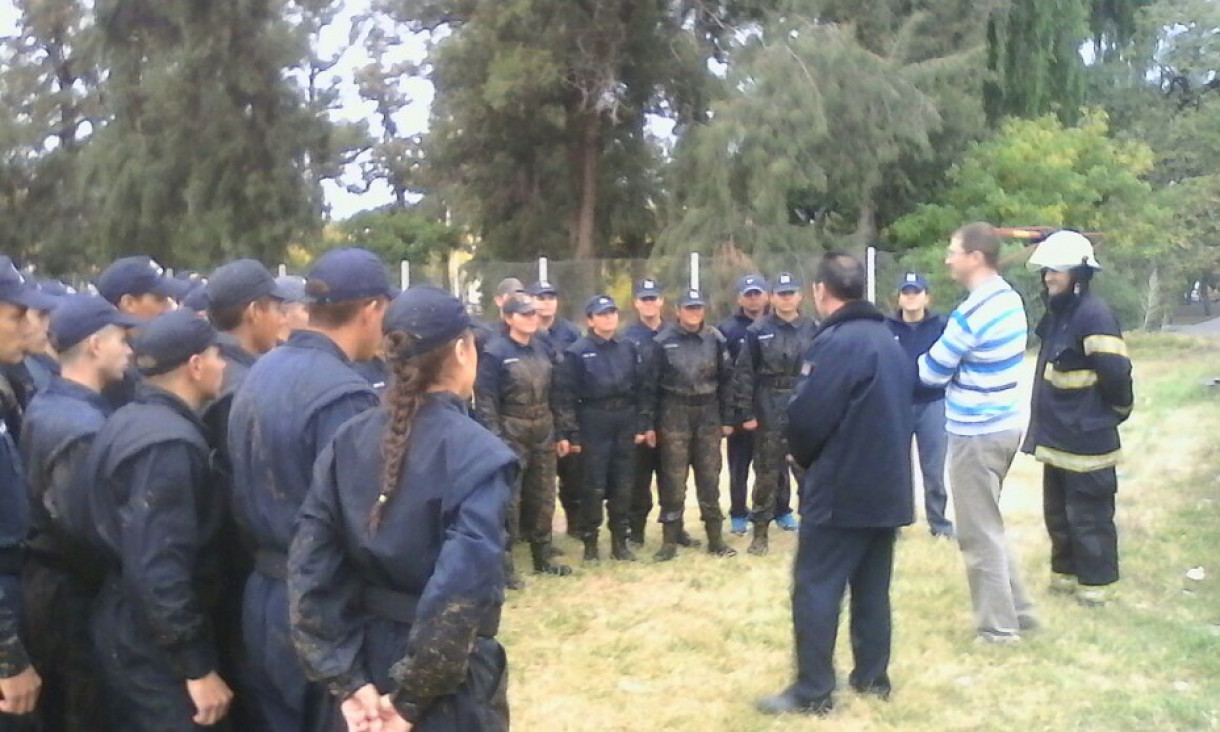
(588,355)
(510,360)
(670,345)
(766,336)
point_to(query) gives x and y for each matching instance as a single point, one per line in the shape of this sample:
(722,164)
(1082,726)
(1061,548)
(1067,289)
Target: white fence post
(404,274)
(870,257)
(694,270)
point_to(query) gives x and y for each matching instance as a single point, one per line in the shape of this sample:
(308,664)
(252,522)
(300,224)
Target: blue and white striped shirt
(978,361)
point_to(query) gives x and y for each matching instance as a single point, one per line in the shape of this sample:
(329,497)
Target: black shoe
(786,703)
(688,541)
(879,689)
(591,553)
(553,551)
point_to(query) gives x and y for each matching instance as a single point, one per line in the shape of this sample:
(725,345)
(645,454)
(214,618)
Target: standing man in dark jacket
(764,378)
(917,328)
(285,411)
(62,574)
(156,514)
(688,370)
(513,399)
(1082,392)
(849,427)
(649,306)
(599,388)
(751,305)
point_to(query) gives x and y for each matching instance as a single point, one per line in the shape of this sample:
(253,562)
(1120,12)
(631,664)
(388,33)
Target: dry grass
(689,644)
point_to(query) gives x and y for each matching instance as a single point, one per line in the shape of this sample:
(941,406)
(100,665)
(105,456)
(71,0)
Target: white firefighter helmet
(1062,251)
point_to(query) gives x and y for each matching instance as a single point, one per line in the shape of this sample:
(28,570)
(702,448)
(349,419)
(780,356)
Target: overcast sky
(411,120)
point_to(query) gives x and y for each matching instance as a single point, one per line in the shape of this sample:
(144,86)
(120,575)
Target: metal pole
(694,270)
(542,269)
(283,270)
(404,274)
(870,256)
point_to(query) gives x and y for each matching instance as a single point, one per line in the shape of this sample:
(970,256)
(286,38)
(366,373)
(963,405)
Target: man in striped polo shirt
(978,361)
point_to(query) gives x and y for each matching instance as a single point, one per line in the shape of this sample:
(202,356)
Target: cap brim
(752,290)
(909,286)
(33,298)
(786,290)
(123,320)
(171,287)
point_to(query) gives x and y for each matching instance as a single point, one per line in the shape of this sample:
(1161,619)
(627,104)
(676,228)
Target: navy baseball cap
(169,340)
(55,288)
(16,290)
(197,299)
(139,275)
(347,273)
(691,298)
(429,313)
(508,286)
(600,304)
(518,304)
(913,281)
(241,283)
(751,283)
(543,288)
(80,316)
(786,282)
(647,287)
(292,287)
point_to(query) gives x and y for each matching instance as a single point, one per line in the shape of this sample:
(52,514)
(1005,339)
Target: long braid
(412,377)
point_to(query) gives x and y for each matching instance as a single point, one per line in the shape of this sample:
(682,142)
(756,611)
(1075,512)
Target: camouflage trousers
(770,460)
(688,436)
(531,508)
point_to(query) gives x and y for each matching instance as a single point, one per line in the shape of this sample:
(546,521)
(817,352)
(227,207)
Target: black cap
(786,282)
(691,298)
(241,283)
(432,315)
(80,316)
(599,304)
(543,288)
(647,287)
(169,340)
(139,275)
(197,299)
(16,290)
(519,304)
(508,286)
(348,273)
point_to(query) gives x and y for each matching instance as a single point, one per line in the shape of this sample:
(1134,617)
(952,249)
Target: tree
(1034,58)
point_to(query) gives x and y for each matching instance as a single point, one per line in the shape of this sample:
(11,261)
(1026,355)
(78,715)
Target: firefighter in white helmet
(1082,392)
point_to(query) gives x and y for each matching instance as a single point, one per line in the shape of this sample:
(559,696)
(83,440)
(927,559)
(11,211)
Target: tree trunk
(866,223)
(1151,302)
(590,158)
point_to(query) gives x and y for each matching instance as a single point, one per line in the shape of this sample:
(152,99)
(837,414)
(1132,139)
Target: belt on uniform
(11,559)
(609,404)
(782,383)
(271,563)
(400,607)
(536,412)
(690,400)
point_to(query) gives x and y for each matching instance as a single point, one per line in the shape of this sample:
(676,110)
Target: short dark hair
(336,314)
(980,237)
(841,274)
(230,318)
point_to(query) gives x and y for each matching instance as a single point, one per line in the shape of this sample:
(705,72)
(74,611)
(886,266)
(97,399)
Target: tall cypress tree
(1034,57)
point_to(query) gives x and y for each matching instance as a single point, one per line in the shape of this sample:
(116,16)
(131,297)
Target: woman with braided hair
(396,572)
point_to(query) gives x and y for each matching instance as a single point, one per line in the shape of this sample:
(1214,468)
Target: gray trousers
(977,468)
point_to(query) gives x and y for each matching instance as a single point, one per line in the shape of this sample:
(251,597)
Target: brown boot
(715,541)
(669,542)
(758,546)
(541,552)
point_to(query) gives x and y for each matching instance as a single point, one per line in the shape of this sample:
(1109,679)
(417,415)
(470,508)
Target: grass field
(689,645)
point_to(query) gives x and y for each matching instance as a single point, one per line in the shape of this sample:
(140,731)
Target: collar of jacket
(231,349)
(317,341)
(598,340)
(927,315)
(854,310)
(59,386)
(148,394)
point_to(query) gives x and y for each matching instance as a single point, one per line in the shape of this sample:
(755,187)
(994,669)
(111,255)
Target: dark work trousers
(570,471)
(11,584)
(771,494)
(932,443)
(689,437)
(647,464)
(57,610)
(532,507)
(828,561)
(1079,511)
(607,438)
(740,450)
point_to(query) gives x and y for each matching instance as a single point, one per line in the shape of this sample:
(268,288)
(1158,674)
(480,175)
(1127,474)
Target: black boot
(669,542)
(715,541)
(590,540)
(635,535)
(553,551)
(541,552)
(685,539)
(758,546)
(618,547)
(513,580)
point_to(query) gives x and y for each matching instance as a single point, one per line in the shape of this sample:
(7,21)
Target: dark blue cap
(751,283)
(16,290)
(691,298)
(292,287)
(647,287)
(197,299)
(80,316)
(786,282)
(136,276)
(913,281)
(518,304)
(55,288)
(169,340)
(599,304)
(543,288)
(348,273)
(432,315)
(241,283)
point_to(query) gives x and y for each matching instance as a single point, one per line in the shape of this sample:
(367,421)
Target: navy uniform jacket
(850,424)
(216,413)
(42,368)
(734,330)
(156,515)
(559,336)
(916,339)
(513,381)
(14,523)
(286,410)
(375,372)
(689,367)
(768,364)
(439,542)
(641,334)
(597,372)
(1082,386)
(59,429)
